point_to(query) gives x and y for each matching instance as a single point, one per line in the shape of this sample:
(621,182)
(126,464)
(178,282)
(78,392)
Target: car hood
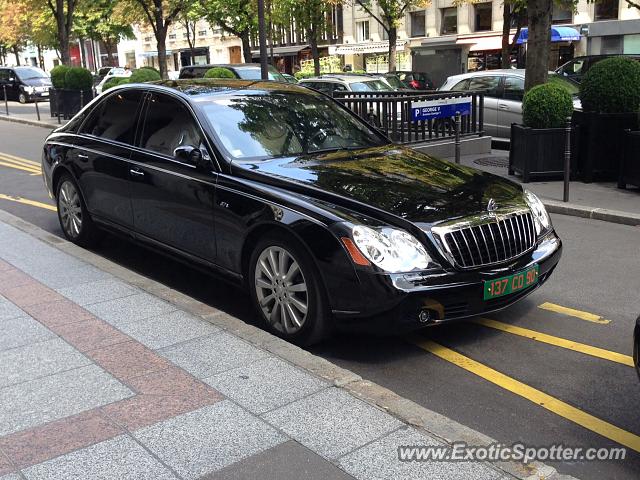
(37,82)
(393,179)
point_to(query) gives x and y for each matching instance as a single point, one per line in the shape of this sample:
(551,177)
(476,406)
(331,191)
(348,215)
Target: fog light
(424,316)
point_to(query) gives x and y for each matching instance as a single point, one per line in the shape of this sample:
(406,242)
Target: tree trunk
(161,38)
(246,47)
(16,52)
(63,34)
(537,68)
(315,52)
(108,46)
(393,36)
(505,61)
(40,56)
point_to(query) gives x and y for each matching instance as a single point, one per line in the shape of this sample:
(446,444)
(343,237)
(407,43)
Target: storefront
(562,47)
(613,37)
(485,52)
(438,57)
(286,59)
(369,56)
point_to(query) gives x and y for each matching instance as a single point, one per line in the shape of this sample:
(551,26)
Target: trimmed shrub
(114,82)
(612,86)
(78,78)
(546,106)
(153,69)
(144,75)
(219,72)
(58,76)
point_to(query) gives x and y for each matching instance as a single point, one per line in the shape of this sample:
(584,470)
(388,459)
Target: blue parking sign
(441,108)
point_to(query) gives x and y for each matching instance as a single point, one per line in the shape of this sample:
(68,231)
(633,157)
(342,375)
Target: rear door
(510,105)
(491,85)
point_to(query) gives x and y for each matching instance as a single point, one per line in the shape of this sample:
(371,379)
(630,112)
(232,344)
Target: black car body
(576,68)
(386,235)
(24,84)
(243,71)
(414,80)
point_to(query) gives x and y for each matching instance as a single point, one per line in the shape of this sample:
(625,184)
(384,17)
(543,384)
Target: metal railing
(391,113)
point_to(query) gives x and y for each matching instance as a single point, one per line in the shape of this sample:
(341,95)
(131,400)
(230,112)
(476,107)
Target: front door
(172,197)
(235,55)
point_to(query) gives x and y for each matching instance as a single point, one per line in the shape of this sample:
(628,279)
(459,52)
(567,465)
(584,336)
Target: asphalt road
(504,378)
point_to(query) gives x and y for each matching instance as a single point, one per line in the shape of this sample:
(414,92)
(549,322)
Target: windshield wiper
(336,149)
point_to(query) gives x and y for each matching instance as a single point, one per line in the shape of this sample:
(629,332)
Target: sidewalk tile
(5,266)
(120,458)
(379,461)
(8,310)
(11,476)
(131,308)
(96,292)
(128,359)
(287,461)
(172,381)
(266,384)
(57,396)
(33,361)
(59,437)
(204,357)
(13,278)
(332,422)
(167,329)
(5,467)
(20,331)
(59,274)
(60,312)
(30,294)
(208,439)
(90,334)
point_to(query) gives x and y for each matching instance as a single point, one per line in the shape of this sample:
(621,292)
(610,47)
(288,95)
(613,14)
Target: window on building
(185,35)
(483,16)
(606,10)
(561,14)
(449,23)
(147,39)
(418,23)
(172,36)
(362,31)
(611,45)
(202,33)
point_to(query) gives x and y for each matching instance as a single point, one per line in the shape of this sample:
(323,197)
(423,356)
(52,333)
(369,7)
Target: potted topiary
(58,81)
(144,74)
(537,147)
(630,160)
(219,72)
(610,96)
(73,89)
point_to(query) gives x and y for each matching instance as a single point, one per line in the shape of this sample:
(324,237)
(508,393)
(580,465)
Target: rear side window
(514,88)
(115,118)
(489,83)
(463,85)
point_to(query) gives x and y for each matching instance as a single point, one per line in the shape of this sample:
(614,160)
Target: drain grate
(493,161)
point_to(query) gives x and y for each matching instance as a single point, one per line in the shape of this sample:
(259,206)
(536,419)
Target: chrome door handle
(83,156)
(136,171)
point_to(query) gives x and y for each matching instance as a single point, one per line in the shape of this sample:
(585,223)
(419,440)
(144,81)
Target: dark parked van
(244,71)
(24,83)
(576,69)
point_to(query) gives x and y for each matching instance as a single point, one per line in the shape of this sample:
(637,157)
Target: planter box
(539,152)
(68,102)
(601,140)
(630,160)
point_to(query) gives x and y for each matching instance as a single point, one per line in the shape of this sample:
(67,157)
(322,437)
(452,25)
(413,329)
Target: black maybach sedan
(279,188)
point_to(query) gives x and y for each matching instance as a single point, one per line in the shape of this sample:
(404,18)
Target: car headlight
(541,218)
(29,89)
(392,250)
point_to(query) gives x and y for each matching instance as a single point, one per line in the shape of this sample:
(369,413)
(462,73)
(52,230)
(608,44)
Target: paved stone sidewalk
(99,379)
(27,113)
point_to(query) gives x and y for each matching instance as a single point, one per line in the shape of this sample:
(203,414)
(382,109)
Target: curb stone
(613,216)
(26,121)
(403,409)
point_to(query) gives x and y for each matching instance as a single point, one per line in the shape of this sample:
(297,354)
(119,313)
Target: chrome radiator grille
(491,242)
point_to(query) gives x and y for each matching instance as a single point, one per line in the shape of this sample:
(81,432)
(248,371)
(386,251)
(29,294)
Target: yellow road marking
(25,201)
(557,341)
(589,317)
(534,395)
(20,159)
(18,167)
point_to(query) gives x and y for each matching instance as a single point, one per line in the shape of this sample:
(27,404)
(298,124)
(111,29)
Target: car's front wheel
(74,218)
(286,290)
(22,98)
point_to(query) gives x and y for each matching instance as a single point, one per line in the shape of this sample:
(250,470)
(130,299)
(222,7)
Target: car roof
(481,73)
(223,65)
(347,78)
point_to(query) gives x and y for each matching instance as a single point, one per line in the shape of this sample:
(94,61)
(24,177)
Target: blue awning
(558,34)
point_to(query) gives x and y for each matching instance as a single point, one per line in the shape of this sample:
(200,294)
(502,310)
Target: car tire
(283,295)
(75,221)
(22,98)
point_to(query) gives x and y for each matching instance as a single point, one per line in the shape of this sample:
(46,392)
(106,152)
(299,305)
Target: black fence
(391,113)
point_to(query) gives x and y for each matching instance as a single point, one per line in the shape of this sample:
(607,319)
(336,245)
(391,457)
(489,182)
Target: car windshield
(569,85)
(27,73)
(264,125)
(370,86)
(393,81)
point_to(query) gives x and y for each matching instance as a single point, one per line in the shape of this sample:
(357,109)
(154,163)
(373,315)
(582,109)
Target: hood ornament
(492,206)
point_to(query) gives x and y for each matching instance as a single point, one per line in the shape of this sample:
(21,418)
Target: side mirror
(12,79)
(191,155)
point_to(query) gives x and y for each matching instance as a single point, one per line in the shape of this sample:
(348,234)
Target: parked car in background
(322,219)
(504,90)
(576,68)
(118,72)
(414,80)
(244,71)
(390,79)
(290,78)
(100,74)
(345,82)
(24,84)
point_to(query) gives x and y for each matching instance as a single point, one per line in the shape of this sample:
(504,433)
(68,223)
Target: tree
(189,19)
(14,27)
(513,12)
(63,11)
(539,16)
(392,12)
(237,17)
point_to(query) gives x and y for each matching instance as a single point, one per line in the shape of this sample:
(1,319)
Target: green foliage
(612,86)
(144,75)
(78,78)
(300,75)
(219,72)
(546,106)
(58,75)
(114,82)
(146,67)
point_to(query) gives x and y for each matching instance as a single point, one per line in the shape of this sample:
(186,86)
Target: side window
(514,88)
(338,87)
(489,84)
(168,125)
(115,118)
(463,85)
(4,75)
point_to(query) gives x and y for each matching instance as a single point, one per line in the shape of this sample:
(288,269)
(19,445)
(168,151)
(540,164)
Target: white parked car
(503,98)
(114,72)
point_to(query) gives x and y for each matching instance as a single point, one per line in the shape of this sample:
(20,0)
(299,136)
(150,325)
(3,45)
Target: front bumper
(395,302)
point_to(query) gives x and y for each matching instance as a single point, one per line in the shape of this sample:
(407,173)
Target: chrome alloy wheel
(281,290)
(70,209)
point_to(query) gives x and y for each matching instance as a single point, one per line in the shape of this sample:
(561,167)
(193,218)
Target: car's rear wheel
(286,290)
(74,219)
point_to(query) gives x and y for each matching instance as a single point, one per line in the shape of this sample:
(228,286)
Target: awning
(558,34)
(368,47)
(153,54)
(478,44)
(282,51)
